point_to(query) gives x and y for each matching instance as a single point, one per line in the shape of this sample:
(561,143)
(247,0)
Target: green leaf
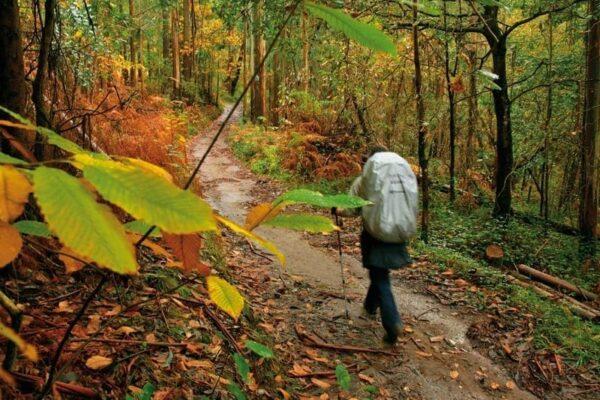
(141,228)
(303,222)
(86,227)
(241,366)
(53,137)
(148,196)
(316,199)
(225,296)
(33,228)
(236,391)
(6,159)
(259,349)
(365,34)
(343,377)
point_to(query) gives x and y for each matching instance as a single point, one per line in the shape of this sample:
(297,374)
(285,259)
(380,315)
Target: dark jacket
(378,254)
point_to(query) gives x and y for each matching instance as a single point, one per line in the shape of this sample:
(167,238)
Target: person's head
(372,150)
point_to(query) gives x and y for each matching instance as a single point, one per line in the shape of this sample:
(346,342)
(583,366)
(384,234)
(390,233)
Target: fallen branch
(127,341)
(313,340)
(61,387)
(578,309)
(554,281)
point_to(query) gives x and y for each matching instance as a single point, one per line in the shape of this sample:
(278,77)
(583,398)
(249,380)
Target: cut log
(494,253)
(556,282)
(583,312)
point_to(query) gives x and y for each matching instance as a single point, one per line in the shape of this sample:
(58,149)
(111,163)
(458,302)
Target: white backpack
(391,185)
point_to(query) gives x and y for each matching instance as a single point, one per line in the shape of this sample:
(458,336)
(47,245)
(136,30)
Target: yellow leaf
(261,213)
(187,248)
(28,350)
(453,374)
(155,169)
(14,193)
(322,384)
(225,296)
(11,243)
(98,362)
(255,238)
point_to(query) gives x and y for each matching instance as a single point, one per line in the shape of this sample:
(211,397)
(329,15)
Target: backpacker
(391,185)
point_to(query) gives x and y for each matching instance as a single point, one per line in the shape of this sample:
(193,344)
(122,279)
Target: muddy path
(428,367)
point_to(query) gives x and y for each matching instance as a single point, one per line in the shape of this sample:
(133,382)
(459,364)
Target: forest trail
(424,368)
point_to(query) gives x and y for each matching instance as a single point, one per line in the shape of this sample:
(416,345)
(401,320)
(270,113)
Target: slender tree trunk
(132,49)
(175,49)
(305,52)
(588,208)
(39,83)
(422,132)
(166,41)
(186,44)
(140,54)
(247,61)
(452,112)
(504,147)
(238,68)
(275,84)
(473,111)
(12,72)
(259,89)
(545,198)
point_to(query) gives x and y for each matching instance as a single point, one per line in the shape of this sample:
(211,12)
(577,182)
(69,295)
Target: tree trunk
(140,54)
(12,72)
(259,89)
(473,111)
(39,82)
(588,209)
(186,45)
(238,68)
(175,49)
(545,198)
(274,92)
(504,148)
(132,49)
(422,133)
(305,51)
(452,113)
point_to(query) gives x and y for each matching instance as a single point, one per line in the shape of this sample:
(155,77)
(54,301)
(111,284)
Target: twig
(61,387)
(314,341)
(127,341)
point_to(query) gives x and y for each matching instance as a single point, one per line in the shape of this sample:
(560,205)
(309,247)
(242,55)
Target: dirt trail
(227,186)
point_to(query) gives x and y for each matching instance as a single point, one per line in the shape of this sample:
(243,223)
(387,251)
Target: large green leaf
(303,222)
(148,196)
(33,228)
(53,137)
(365,34)
(313,198)
(86,227)
(6,159)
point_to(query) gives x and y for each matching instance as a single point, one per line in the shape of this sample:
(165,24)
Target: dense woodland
(495,103)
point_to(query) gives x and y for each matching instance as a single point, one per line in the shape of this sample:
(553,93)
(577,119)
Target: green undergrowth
(470,231)
(556,328)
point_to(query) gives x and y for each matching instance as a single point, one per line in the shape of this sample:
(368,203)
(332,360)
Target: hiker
(389,183)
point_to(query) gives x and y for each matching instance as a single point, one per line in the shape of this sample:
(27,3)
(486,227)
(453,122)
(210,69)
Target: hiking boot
(391,336)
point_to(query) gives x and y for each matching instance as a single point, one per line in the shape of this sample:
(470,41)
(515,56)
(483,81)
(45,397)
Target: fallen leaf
(72,261)
(448,272)
(94,324)
(322,384)
(65,307)
(423,354)
(408,329)
(461,283)
(187,249)
(11,243)
(115,311)
(495,385)
(510,385)
(126,330)
(204,364)
(299,370)
(286,395)
(98,362)
(7,377)
(436,339)
(454,374)
(366,378)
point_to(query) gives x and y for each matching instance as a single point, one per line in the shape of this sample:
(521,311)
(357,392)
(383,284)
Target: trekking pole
(339,240)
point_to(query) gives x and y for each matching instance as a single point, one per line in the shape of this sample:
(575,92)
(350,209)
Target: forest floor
(435,359)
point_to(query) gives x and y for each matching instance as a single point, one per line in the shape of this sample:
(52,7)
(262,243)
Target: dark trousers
(380,296)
